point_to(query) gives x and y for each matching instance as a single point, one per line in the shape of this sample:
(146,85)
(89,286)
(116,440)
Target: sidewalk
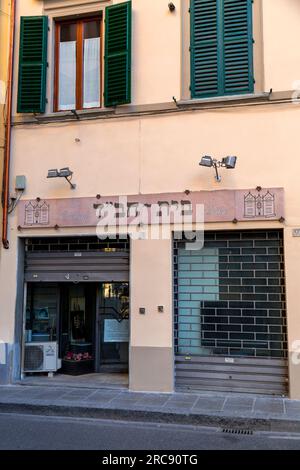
(235,412)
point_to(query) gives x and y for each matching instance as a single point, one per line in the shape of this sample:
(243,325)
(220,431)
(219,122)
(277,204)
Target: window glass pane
(68,32)
(114,324)
(92,29)
(68,66)
(77,305)
(41,313)
(67,75)
(91,79)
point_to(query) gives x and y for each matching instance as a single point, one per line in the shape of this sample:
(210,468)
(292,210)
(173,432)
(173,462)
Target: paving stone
(30,393)
(209,404)
(9,388)
(184,398)
(8,394)
(292,405)
(74,395)
(125,401)
(181,403)
(51,394)
(153,400)
(238,403)
(102,396)
(79,391)
(126,395)
(268,405)
(125,405)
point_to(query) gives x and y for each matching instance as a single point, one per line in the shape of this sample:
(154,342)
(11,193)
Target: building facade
(114,104)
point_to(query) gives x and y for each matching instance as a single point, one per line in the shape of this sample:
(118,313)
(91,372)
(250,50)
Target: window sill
(77,114)
(153,109)
(224,99)
(63,116)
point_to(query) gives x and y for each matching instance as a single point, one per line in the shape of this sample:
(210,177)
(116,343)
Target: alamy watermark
(157,221)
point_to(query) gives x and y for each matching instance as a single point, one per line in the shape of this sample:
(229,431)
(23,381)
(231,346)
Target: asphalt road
(58,433)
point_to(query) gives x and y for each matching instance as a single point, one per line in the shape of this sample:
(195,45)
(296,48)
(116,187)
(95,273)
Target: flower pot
(70,367)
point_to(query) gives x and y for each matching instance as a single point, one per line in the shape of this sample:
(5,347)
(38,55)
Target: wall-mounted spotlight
(171,7)
(63,173)
(227,162)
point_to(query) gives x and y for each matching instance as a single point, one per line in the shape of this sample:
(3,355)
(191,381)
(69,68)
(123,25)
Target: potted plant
(77,364)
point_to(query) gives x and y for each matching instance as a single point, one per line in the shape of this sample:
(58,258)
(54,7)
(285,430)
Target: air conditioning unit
(41,357)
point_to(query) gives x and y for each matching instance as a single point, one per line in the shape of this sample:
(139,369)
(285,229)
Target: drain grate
(245,432)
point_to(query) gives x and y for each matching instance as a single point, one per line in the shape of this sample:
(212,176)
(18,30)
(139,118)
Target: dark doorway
(77,319)
(88,321)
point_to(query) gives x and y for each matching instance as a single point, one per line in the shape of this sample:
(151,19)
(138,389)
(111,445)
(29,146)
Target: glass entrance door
(113,327)
(77,325)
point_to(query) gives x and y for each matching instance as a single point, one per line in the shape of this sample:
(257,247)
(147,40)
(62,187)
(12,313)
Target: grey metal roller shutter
(77,267)
(251,375)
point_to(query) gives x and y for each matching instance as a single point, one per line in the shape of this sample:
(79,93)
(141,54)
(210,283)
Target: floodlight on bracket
(227,162)
(62,173)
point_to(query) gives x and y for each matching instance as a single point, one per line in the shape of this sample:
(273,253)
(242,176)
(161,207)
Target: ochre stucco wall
(280,38)
(151,334)
(154,154)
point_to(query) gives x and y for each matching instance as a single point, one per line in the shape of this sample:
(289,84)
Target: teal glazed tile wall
(230,296)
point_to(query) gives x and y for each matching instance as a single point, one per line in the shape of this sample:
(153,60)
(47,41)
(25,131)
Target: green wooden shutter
(204,48)
(221,47)
(33,64)
(238,46)
(117,88)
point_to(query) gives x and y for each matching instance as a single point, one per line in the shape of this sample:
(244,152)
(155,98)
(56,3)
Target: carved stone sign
(36,213)
(219,206)
(259,205)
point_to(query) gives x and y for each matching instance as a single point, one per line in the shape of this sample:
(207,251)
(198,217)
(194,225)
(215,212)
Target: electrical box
(20,183)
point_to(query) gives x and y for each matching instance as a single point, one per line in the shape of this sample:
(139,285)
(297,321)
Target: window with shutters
(92,63)
(78,64)
(79,53)
(221,48)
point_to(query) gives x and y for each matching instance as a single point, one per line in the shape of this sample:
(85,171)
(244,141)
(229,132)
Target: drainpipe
(7,150)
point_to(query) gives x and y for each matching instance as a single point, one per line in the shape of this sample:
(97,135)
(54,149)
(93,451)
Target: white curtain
(91,80)
(67,75)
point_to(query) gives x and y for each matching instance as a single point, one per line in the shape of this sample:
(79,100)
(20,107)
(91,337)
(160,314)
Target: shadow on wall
(295,4)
